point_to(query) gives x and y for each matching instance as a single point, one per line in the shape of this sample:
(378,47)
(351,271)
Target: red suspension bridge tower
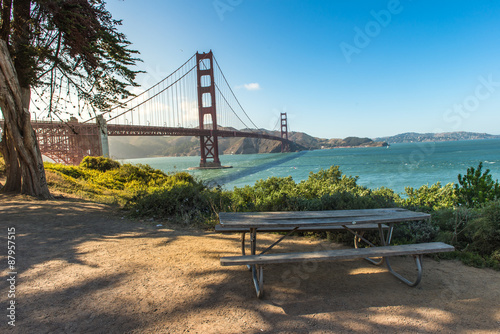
(209,144)
(285,144)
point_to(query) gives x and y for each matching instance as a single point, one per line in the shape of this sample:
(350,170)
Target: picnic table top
(317,218)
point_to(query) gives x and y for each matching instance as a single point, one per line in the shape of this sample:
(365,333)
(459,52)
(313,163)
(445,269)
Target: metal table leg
(243,252)
(418,262)
(357,239)
(257,270)
(417,258)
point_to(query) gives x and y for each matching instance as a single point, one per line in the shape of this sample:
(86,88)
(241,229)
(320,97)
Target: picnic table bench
(354,221)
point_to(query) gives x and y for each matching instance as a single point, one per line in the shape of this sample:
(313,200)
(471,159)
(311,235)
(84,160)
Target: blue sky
(338,68)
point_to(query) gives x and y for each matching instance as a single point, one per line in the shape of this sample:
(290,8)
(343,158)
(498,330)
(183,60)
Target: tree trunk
(13,183)
(21,143)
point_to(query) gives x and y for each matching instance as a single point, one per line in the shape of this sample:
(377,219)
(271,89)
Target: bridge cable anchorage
(151,97)
(147,90)
(256,127)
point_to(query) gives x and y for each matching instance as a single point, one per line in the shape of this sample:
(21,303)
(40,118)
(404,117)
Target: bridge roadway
(69,142)
(144,130)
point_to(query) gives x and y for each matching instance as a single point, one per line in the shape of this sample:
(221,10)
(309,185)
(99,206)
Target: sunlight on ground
(367,270)
(421,319)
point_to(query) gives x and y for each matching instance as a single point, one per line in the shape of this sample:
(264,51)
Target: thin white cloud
(250,86)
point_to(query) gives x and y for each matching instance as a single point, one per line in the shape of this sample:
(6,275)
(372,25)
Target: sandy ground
(83,268)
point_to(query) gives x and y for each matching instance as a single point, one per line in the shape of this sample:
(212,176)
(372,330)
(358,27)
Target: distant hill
(410,137)
(143,147)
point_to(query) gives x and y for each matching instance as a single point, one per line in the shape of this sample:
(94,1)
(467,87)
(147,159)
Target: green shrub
(72,171)
(272,194)
(2,166)
(476,187)
(429,199)
(327,181)
(485,230)
(415,232)
(496,255)
(101,164)
(115,185)
(177,200)
(454,226)
(472,259)
(183,202)
(474,230)
(324,190)
(143,174)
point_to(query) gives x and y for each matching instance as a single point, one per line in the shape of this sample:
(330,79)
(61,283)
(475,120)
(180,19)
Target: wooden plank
(393,218)
(318,218)
(323,221)
(311,214)
(305,214)
(357,227)
(340,254)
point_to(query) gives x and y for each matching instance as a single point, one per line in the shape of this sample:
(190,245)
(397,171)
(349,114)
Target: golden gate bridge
(194,100)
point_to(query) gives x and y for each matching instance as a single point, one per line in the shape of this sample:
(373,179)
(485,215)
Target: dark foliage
(101,164)
(476,187)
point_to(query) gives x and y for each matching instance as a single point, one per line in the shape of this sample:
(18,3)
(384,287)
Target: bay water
(395,167)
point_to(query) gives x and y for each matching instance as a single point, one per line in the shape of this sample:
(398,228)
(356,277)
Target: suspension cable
(230,106)
(276,126)
(216,86)
(234,94)
(147,90)
(150,98)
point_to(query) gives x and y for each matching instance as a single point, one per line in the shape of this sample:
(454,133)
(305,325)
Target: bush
(327,182)
(181,202)
(71,171)
(415,232)
(2,167)
(324,190)
(142,174)
(476,187)
(454,226)
(429,199)
(115,185)
(485,230)
(101,164)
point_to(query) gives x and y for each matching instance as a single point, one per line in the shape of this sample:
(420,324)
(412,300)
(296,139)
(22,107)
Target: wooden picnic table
(354,221)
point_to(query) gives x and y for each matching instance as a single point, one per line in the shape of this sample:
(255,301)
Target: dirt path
(83,269)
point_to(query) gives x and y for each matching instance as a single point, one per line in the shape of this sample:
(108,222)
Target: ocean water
(395,167)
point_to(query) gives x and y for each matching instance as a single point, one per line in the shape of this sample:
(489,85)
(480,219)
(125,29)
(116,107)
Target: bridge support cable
(227,116)
(232,92)
(175,98)
(146,92)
